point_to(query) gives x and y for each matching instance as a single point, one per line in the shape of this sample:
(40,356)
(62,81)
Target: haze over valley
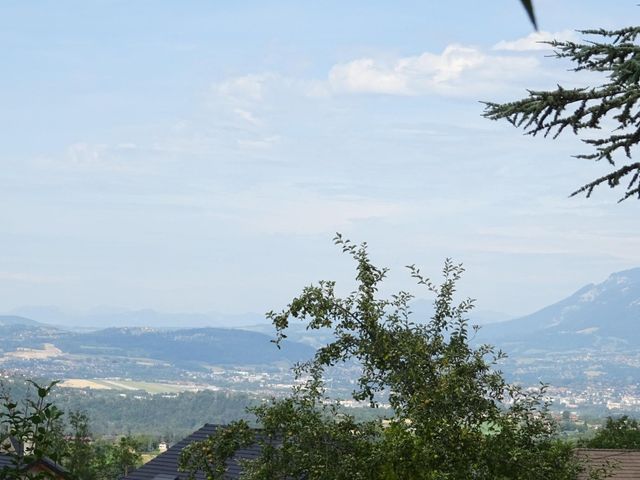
(585,346)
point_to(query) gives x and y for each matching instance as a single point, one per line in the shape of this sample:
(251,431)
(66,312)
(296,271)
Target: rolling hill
(213,346)
(12,320)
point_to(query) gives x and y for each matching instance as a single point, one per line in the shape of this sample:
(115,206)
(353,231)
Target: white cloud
(243,96)
(312,214)
(244,88)
(285,209)
(88,158)
(364,75)
(86,154)
(259,143)
(252,105)
(254,89)
(534,41)
(119,158)
(459,70)
(247,116)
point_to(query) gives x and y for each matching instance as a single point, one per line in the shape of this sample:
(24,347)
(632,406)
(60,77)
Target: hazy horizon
(200,157)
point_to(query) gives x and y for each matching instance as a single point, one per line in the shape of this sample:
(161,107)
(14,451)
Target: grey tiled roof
(625,463)
(165,465)
(6,461)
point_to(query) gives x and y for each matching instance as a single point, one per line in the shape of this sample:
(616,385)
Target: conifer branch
(590,109)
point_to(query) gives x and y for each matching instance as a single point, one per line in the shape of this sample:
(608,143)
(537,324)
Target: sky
(199,156)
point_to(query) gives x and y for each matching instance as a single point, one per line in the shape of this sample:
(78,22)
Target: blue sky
(197,156)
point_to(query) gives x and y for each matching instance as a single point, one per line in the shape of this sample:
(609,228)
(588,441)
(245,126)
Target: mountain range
(102,317)
(604,316)
(601,317)
(597,317)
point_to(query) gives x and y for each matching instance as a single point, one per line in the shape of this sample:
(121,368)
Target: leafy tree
(146,442)
(113,460)
(622,432)
(612,106)
(38,427)
(210,457)
(80,452)
(32,430)
(103,465)
(125,455)
(453,414)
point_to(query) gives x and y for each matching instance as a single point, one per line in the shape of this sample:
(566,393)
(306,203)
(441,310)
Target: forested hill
(178,347)
(602,316)
(207,345)
(7,320)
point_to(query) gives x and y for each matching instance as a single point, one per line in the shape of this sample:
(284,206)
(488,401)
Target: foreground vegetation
(453,415)
(168,417)
(42,431)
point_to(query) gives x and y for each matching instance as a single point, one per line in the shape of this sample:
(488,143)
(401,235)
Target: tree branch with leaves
(30,432)
(452,414)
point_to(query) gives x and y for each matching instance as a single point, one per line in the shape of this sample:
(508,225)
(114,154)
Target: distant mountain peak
(597,315)
(631,275)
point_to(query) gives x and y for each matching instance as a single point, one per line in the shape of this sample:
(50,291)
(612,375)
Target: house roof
(6,461)
(625,464)
(165,465)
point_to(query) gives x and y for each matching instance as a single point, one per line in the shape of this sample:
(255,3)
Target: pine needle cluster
(611,108)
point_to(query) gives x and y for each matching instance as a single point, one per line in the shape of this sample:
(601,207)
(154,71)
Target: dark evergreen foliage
(615,54)
(528,6)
